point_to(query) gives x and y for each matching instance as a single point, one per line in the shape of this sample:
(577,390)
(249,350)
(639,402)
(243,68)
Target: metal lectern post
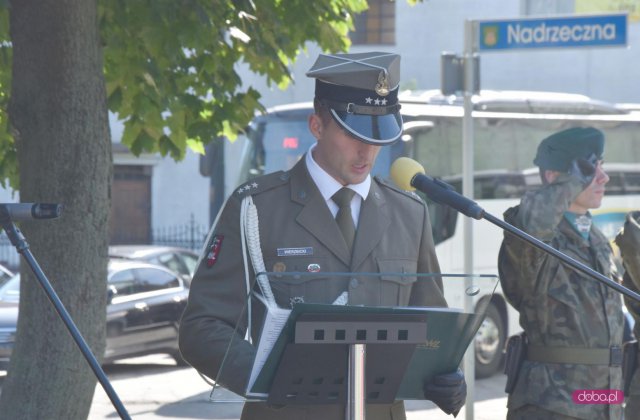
(355,394)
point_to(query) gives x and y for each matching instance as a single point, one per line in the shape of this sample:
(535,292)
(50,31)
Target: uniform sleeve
(628,240)
(539,214)
(213,324)
(427,292)
(541,211)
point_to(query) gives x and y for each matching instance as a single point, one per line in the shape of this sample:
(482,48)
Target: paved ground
(153,388)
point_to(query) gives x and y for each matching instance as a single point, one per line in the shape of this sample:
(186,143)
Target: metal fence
(190,235)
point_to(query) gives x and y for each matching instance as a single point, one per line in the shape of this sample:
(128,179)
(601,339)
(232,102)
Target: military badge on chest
(214,250)
(583,224)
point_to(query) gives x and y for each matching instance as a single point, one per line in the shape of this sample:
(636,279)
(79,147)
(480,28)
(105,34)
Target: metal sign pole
(467,191)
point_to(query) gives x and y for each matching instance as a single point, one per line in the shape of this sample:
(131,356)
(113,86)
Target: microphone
(409,175)
(30,211)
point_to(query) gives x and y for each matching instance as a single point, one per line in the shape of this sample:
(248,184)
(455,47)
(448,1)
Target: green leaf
(143,143)
(170,67)
(114,100)
(196,145)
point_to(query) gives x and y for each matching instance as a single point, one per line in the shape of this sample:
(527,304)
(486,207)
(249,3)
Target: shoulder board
(261,184)
(392,186)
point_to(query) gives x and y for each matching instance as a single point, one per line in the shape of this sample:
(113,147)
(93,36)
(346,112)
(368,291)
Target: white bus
(507,128)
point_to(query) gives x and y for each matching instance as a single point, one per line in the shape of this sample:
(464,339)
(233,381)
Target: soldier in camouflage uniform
(574,323)
(628,240)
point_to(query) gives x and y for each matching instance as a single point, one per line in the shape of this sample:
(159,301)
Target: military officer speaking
(327,214)
(573,323)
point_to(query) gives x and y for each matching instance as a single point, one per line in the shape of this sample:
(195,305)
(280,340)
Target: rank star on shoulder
(368,100)
(247,187)
(377,101)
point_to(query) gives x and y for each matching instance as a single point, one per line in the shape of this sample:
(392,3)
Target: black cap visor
(379,130)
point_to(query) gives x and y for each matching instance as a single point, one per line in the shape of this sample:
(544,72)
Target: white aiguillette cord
(250,236)
(249,214)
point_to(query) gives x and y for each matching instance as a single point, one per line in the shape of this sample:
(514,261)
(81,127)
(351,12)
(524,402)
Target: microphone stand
(577,265)
(19,242)
(470,208)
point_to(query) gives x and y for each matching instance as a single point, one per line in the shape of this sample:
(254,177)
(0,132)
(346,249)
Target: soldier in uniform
(573,323)
(628,240)
(306,224)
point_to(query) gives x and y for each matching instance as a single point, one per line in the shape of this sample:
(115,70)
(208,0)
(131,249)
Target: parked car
(145,303)
(5,274)
(181,260)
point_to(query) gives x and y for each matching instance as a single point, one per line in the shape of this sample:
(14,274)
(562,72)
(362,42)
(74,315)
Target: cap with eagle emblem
(361,92)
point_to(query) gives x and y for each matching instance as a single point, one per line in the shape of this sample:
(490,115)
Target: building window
(377,25)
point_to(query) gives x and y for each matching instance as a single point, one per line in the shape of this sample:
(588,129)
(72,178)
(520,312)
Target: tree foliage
(168,69)
(171,66)
(8,170)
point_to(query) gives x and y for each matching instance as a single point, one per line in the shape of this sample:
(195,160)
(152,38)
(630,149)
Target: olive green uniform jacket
(560,307)
(393,235)
(628,241)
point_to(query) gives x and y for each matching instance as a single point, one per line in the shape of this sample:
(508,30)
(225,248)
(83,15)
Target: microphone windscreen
(403,170)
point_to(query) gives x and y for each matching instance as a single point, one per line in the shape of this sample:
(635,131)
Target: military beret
(557,151)
(361,92)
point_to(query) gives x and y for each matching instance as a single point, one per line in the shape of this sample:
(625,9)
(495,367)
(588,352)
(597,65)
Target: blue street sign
(562,32)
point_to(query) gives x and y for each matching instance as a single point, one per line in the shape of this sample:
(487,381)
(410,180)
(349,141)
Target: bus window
(615,186)
(279,144)
(632,183)
(280,139)
(443,221)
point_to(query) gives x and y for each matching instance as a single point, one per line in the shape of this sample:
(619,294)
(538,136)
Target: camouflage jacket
(558,306)
(628,240)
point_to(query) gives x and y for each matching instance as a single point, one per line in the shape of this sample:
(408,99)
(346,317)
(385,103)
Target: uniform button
(354,283)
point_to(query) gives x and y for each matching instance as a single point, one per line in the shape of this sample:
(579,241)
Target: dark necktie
(345,222)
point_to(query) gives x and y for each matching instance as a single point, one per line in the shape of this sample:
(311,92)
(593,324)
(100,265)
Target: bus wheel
(489,343)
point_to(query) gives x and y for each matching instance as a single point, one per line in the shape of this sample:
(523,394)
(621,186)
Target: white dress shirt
(329,186)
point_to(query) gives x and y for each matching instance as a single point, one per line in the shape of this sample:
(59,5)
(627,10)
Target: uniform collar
(327,184)
(581,223)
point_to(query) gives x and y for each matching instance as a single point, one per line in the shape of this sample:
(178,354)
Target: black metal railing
(190,235)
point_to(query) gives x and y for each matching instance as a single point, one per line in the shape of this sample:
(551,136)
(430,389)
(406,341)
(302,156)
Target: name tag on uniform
(295,252)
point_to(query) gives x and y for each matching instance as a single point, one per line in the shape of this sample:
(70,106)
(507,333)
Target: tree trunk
(59,114)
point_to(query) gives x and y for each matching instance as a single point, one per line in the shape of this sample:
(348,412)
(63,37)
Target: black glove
(584,169)
(447,391)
